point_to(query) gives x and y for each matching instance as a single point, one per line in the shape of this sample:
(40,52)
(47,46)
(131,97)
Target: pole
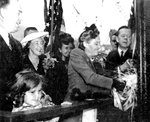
(52,22)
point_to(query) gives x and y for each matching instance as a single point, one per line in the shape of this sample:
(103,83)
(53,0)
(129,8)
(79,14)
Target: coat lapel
(90,63)
(5,51)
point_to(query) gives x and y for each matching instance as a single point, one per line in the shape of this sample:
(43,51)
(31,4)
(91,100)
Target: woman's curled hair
(90,33)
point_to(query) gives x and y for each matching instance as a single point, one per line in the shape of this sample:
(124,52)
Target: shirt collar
(120,50)
(4,34)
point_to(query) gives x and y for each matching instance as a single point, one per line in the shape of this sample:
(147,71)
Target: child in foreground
(28,94)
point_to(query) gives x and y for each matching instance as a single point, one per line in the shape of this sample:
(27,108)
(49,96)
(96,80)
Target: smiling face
(33,96)
(11,16)
(37,46)
(124,38)
(65,49)
(92,47)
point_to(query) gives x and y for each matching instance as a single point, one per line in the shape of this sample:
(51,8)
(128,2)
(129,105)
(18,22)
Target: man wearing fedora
(10,49)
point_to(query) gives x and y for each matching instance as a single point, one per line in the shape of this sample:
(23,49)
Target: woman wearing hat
(83,81)
(33,48)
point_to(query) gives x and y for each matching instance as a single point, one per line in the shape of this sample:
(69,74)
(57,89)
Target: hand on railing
(66,103)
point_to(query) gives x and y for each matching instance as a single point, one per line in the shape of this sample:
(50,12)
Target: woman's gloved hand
(124,66)
(119,85)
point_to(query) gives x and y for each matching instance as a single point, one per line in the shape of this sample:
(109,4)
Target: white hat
(32,36)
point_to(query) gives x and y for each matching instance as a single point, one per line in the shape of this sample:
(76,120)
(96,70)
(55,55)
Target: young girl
(28,94)
(57,76)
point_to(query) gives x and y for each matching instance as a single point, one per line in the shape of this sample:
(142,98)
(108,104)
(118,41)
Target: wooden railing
(50,112)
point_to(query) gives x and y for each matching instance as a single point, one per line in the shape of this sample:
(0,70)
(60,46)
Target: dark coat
(113,60)
(28,65)
(10,64)
(82,74)
(57,78)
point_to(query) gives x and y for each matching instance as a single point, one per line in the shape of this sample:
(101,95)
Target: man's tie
(121,54)
(10,43)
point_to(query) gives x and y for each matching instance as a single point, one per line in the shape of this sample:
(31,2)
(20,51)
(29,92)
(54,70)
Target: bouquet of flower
(49,62)
(128,98)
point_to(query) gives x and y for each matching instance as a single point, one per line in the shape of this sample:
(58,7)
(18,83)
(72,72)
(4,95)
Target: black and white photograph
(74,60)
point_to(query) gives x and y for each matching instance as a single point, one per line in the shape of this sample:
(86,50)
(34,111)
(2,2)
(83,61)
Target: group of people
(31,78)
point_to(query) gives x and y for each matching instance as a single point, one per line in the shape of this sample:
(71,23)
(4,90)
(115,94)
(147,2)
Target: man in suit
(119,58)
(10,49)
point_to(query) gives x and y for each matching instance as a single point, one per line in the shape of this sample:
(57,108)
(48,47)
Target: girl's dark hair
(89,33)
(64,38)
(25,80)
(3,3)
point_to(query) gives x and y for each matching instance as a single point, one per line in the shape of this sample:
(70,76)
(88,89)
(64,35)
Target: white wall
(106,14)
(33,15)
